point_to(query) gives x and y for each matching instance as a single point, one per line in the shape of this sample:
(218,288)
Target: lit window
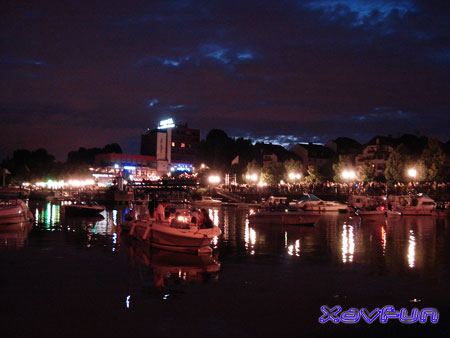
(183,145)
(173,144)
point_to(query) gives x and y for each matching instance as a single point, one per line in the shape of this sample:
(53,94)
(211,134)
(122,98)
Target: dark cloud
(86,73)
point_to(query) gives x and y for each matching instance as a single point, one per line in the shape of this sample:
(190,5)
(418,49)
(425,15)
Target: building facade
(174,146)
(378,154)
(312,155)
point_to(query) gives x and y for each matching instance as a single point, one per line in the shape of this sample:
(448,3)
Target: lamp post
(412,172)
(213,180)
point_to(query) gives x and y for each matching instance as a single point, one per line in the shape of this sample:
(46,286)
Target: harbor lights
(348,174)
(213,180)
(294,176)
(412,172)
(251,177)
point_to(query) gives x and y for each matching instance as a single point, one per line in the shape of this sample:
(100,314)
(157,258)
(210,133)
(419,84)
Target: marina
(69,267)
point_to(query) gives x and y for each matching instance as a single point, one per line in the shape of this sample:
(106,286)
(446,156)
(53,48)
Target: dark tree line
(26,165)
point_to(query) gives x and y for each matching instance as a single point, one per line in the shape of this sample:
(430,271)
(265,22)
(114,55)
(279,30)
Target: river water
(67,277)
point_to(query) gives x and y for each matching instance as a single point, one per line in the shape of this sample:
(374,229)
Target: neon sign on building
(165,124)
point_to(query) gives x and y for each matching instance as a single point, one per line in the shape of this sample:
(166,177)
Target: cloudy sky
(86,73)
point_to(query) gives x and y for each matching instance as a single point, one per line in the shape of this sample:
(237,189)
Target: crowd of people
(330,188)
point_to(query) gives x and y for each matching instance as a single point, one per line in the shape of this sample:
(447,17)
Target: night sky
(87,73)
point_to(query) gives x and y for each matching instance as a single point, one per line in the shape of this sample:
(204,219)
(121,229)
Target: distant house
(312,154)
(378,153)
(270,158)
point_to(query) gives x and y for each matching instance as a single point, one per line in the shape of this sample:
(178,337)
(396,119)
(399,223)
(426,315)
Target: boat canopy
(309,197)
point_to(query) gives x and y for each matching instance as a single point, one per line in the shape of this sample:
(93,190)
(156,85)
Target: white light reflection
(411,249)
(348,243)
(250,238)
(214,214)
(127,301)
(294,249)
(114,217)
(383,240)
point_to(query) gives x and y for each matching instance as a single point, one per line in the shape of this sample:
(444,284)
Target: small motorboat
(14,211)
(83,209)
(191,239)
(310,202)
(413,205)
(207,201)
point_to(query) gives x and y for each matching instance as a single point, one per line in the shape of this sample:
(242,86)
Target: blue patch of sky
(179,106)
(384,113)
(20,61)
(363,8)
(152,102)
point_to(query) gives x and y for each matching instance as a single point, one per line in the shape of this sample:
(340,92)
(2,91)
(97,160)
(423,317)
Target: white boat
(207,201)
(14,211)
(162,235)
(83,209)
(310,202)
(413,205)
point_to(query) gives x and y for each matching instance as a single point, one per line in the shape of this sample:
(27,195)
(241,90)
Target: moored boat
(14,211)
(83,209)
(161,235)
(310,202)
(207,201)
(413,205)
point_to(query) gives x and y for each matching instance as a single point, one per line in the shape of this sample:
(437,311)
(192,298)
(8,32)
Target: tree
(272,172)
(313,175)
(395,166)
(343,164)
(366,172)
(253,168)
(292,166)
(433,159)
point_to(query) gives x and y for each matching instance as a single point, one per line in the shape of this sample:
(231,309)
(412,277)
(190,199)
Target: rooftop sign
(164,124)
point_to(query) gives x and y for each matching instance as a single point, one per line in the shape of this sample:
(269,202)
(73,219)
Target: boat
(413,205)
(364,202)
(207,201)
(14,211)
(83,209)
(310,202)
(191,239)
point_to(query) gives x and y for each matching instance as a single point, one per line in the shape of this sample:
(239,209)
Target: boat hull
(15,213)
(80,211)
(167,236)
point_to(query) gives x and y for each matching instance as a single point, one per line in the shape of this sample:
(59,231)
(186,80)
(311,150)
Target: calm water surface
(67,277)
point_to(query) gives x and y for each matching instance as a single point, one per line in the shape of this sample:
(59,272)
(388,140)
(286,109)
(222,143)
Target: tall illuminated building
(174,145)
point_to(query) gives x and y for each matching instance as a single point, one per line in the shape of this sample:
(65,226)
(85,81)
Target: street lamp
(294,176)
(213,180)
(251,177)
(412,173)
(348,174)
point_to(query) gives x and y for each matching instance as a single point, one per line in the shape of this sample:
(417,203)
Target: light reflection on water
(406,243)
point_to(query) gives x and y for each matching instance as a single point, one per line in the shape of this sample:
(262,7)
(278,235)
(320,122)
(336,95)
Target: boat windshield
(309,197)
